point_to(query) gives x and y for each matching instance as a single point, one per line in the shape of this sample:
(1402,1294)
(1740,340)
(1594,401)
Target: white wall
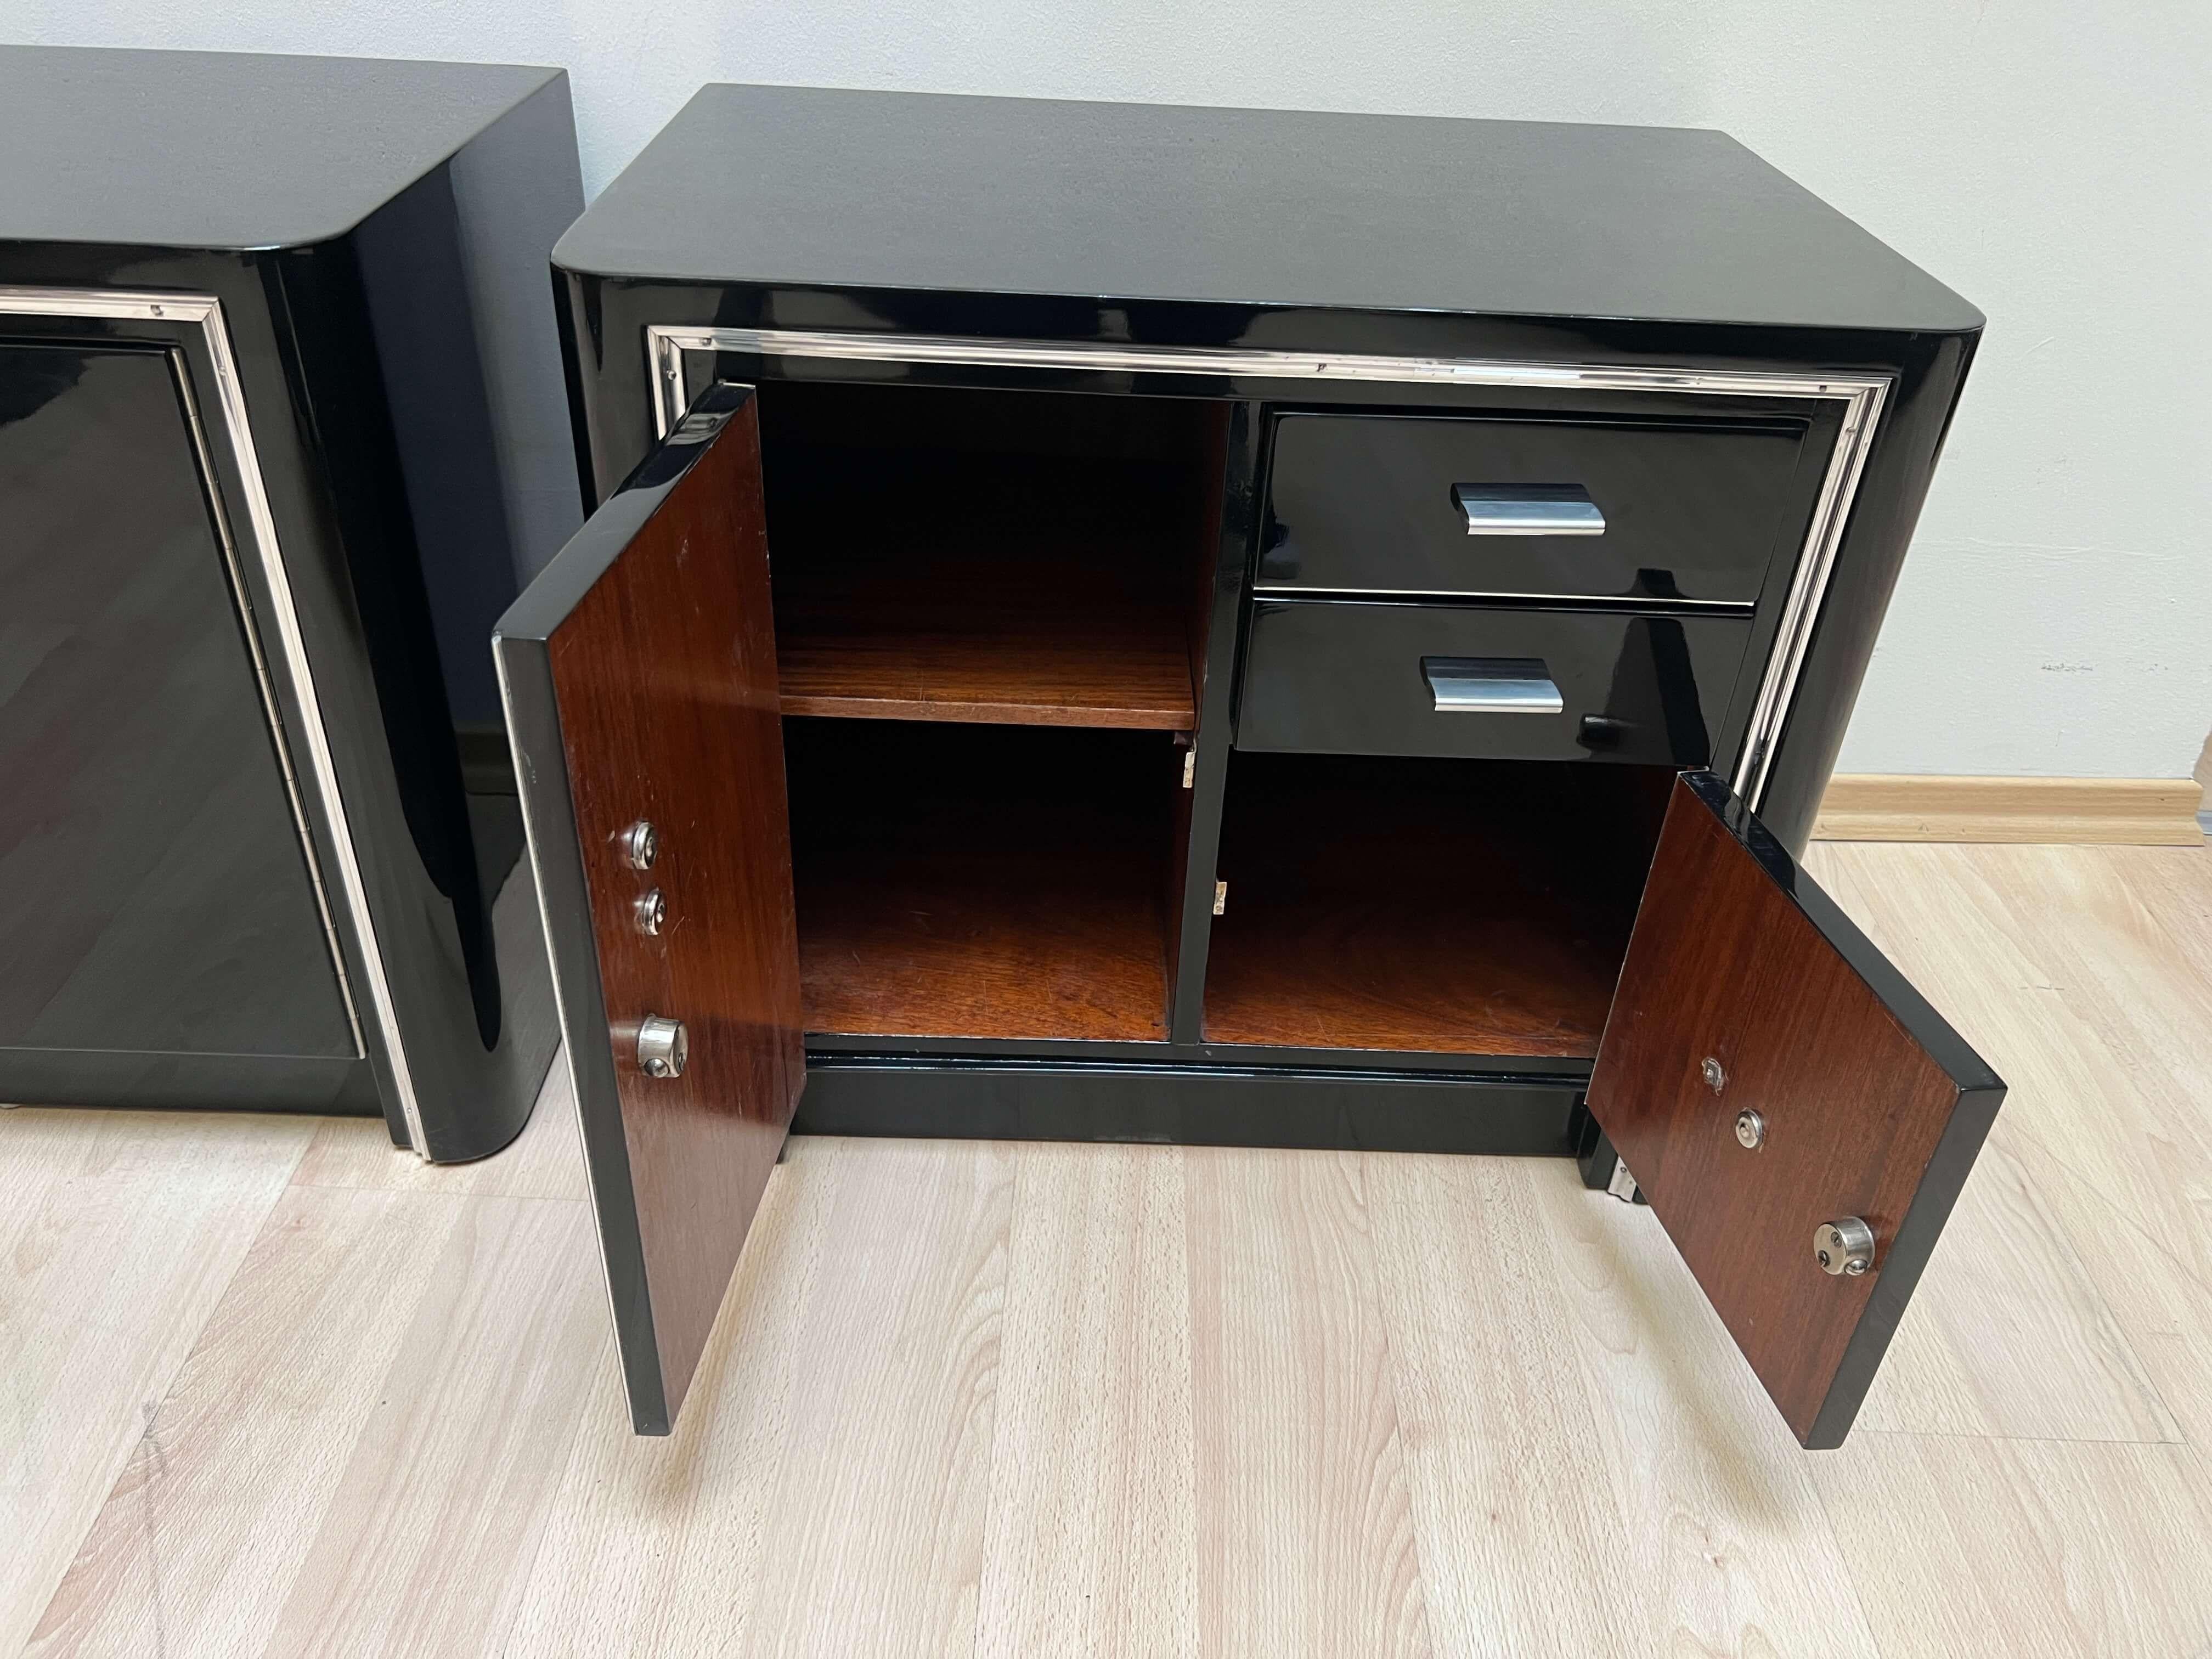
(2050,158)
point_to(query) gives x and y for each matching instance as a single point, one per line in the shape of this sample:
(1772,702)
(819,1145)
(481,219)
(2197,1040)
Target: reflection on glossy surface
(386,312)
(1372,503)
(153,894)
(1335,677)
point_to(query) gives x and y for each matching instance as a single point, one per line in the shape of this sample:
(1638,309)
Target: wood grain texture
(665,676)
(1306,1541)
(945,1369)
(407,1562)
(961,566)
(197,1544)
(1972,1546)
(907,1339)
(225,1535)
(1727,964)
(987,633)
(1725,1533)
(639,1529)
(1567,1397)
(2014,1277)
(1497,1431)
(2130,811)
(827,1493)
(1090,1539)
(2091,972)
(544,1161)
(971,883)
(1427,905)
(118,1232)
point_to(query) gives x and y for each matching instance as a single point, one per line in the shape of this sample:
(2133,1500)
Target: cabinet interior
(1440,906)
(963,880)
(1014,557)
(989,611)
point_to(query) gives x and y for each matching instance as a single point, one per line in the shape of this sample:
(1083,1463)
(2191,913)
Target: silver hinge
(1190,766)
(1220,896)
(1623,1184)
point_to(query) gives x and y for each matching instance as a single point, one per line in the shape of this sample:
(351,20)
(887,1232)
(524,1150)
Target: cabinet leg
(1593,1151)
(1603,1169)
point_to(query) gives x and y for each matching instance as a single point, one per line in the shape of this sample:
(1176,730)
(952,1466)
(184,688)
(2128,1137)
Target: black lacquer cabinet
(1210,625)
(281,435)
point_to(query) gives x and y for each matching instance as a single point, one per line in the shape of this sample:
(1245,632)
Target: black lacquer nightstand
(282,432)
(1201,625)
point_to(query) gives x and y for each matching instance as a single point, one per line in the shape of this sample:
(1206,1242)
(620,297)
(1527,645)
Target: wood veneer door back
(1868,1104)
(640,676)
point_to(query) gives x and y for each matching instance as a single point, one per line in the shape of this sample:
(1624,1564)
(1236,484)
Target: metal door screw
(639,845)
(1844,1247)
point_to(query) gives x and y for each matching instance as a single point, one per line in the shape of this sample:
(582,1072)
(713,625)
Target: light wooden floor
(270,1387)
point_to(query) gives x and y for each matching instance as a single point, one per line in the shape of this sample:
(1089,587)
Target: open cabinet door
(639,672)
(1767,1076)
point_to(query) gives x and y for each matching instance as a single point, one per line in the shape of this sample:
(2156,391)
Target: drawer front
(1348,679)
(1452,505)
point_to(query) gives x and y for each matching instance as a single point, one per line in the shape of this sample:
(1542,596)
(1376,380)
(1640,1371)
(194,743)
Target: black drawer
(1350,679)
(1370,503)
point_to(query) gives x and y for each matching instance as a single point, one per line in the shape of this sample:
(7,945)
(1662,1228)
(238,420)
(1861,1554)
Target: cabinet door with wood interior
(1799,1117)
(639,672)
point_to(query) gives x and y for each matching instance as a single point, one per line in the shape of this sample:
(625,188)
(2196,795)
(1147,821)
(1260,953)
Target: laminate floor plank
(2161,1299)
(437,1516)
(200,1542)
(876,1540)
(1727,1548)
(825,1492)
(2004,939)
(118,1232)
(546,1160)
(1091,1541)
(658,1546)
(1306,1524)
(2013,1281)
(1963,1545)
(2086,997)
(1508,1502)
(996,1398)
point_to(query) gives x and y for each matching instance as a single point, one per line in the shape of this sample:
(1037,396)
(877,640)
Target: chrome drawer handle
(1528,510)
(1491,685)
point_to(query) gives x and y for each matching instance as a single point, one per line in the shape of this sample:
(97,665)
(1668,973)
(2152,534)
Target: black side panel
(155,896)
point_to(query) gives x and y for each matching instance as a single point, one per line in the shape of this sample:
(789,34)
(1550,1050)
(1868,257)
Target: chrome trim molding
(1475,598)
(204,459)
(1861,395)
(204,311)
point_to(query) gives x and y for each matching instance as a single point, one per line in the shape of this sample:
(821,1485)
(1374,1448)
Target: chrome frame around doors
(1861,397)
(204,311)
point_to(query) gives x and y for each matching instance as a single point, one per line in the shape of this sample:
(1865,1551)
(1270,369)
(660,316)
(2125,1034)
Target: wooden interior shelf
(997,629)
(955,881)
(965,556)
(1449,906)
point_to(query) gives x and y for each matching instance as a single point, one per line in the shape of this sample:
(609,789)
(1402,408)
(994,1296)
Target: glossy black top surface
(229,150)
(795,187)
